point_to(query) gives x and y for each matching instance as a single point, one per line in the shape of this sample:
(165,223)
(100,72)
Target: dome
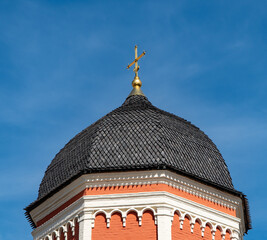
(138,136)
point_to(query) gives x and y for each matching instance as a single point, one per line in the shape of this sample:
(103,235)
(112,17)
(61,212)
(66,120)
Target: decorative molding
(165,177)
(133,179)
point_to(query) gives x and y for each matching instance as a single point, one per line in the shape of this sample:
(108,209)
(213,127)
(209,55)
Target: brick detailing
(69,234)
(148,229)
(76,230)
(197,231)
(137,189)
(132,230)
(227,236)
(177,232)
(61,235)
(218,235)
(207,233)
(186,233)
(100,226)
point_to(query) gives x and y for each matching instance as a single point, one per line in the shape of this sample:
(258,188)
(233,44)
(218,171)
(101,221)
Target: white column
(164,222)
(85,225)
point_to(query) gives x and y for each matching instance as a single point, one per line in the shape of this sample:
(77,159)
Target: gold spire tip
(136,83)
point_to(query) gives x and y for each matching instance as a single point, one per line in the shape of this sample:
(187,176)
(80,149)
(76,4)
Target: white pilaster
(85,225)
(164,222)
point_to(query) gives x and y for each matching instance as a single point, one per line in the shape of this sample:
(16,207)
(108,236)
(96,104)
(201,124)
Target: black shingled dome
(138,136)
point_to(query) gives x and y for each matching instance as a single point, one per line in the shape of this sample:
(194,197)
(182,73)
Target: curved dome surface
(136,136)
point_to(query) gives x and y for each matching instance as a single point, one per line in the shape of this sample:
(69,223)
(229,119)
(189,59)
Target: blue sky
(63,66)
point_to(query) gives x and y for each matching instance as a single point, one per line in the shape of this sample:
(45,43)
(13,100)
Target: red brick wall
(147,231)
(132,230)
(177,232)
(207,233)
(61,235)
(186,234)
(69,235)
(197,231)
(227,236)
(218,235)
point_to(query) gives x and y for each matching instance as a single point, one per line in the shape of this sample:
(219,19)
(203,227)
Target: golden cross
(136,68)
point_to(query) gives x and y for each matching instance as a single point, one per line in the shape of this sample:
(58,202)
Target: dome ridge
(138,100)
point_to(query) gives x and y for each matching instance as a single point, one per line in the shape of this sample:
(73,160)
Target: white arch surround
(117,211)
(99,212)
(139,214)
(197,219)
(149,209)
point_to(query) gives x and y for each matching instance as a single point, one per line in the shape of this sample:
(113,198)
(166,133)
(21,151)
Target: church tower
(139,173)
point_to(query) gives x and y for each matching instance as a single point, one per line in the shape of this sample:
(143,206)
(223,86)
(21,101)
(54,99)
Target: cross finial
(136,68)
(136,82)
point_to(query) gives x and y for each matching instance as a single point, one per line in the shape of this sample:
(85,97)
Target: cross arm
(136,60)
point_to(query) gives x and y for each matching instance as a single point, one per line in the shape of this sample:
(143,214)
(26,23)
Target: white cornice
(136,178)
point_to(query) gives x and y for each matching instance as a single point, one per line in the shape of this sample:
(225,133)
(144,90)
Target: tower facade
(139,173)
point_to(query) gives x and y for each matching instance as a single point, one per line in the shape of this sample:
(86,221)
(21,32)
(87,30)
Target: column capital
(164,211)
(85,214)
(85,225)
